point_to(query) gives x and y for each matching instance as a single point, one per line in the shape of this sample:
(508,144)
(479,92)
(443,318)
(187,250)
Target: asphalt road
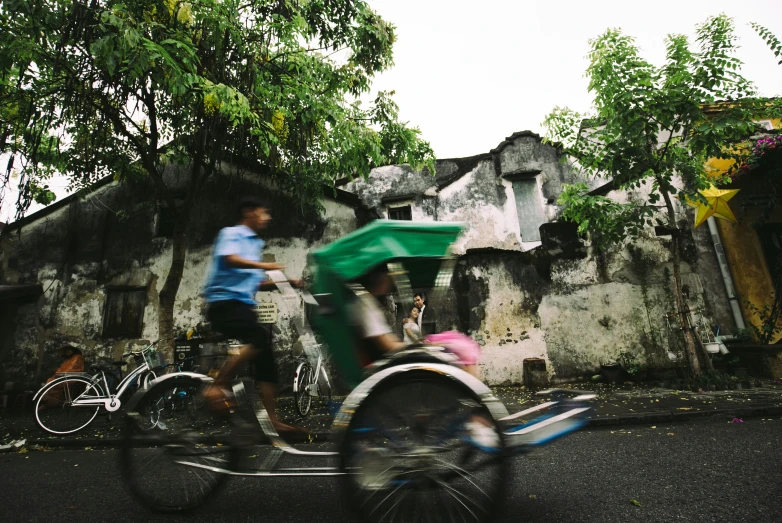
(706,471)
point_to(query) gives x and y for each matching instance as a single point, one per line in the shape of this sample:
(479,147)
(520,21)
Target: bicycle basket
(153,359)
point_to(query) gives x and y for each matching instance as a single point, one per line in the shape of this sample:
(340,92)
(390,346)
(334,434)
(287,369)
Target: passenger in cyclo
(236,273)
(377,339)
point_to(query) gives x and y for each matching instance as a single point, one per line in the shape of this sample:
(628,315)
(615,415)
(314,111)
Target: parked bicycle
(307,383)
(72,401)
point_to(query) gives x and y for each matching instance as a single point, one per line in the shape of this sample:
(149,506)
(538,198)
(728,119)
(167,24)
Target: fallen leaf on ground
(533,496)
(636,502)
(670,433)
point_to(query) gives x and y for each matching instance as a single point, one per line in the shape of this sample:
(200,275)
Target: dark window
(529,209)
(400,213)
(123,315)
(165,222)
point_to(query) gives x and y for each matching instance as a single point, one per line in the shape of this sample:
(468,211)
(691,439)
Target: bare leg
(246,353)
(214,394)
(268,392)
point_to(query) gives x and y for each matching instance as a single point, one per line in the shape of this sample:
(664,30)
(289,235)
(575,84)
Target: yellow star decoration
(717,205)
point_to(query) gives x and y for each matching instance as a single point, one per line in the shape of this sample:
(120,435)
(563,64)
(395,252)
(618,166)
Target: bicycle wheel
(55,411)
(421,447)
(301,394)
(175,447)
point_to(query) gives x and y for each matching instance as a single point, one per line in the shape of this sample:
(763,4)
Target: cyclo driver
(235,275)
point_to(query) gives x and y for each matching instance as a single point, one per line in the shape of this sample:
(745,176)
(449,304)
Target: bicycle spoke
(187,432)
(418,462)
(55,411)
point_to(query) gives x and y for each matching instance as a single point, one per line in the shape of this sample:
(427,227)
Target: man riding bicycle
(235,275)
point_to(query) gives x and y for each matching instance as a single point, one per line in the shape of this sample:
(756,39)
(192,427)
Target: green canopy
(420,247)
(383,241)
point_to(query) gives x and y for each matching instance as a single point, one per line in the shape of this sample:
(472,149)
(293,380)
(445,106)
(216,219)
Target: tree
(104,87)
(653,128)
(772,41)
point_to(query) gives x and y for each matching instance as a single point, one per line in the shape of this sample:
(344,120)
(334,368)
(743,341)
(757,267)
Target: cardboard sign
(267,312)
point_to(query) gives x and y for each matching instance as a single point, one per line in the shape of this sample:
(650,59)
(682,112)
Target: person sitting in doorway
(73,361)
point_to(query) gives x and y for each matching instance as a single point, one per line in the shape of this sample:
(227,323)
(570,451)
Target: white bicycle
(71,401)
(306,384)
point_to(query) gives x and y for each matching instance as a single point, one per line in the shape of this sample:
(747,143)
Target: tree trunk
(694,353)
(173,279)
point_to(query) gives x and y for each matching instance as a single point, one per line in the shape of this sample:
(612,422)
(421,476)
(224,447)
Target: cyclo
(403,447)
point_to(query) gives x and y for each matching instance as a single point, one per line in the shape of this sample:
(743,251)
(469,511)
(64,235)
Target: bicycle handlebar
(137,353)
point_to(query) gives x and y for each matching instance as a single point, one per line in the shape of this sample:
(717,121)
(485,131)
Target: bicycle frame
(112,402)
(313,383)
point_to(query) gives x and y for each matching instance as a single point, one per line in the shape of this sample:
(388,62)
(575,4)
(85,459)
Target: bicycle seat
(102,367)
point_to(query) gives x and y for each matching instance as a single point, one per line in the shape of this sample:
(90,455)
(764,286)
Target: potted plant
(611,371)
(632,367)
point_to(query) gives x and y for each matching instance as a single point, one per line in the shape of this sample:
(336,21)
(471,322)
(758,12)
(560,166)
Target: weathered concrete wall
(574,307)
(476,190)
(107,239)
(520,300)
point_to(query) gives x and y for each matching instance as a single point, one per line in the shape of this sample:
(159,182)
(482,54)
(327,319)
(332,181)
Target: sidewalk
(614,405)
(639,404)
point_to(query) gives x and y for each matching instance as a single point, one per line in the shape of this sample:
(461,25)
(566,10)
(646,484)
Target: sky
(469,74)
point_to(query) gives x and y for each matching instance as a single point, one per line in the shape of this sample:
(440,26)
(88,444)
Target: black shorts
(236,319)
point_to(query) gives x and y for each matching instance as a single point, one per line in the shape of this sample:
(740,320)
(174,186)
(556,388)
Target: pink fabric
(459,344)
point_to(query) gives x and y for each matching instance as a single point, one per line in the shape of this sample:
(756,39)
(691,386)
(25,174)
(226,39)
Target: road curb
(613,421)
(673,416)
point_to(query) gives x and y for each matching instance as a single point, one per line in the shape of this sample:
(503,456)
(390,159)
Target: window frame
(531,177)
(402,208)
(121,330)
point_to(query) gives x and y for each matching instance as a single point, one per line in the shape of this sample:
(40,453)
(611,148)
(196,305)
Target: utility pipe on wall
(725,270)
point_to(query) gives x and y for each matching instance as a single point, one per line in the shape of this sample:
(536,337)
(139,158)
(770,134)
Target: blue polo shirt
(231,283)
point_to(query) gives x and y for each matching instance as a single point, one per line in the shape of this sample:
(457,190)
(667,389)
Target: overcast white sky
(471,73)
